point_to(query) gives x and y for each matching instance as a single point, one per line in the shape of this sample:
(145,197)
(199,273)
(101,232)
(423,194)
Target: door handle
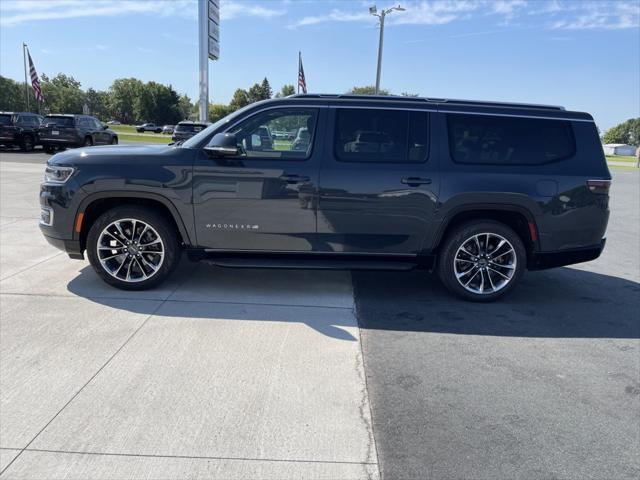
(294,178)
(415,181)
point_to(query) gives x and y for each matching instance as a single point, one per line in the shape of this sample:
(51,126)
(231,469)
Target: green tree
(218,111)
(122,95)
(185,106)
(627,132)
(267,92)
(12,98)
(98,103)
(62,94)
(286,90)
(408,94)
(240,99)
(368,90)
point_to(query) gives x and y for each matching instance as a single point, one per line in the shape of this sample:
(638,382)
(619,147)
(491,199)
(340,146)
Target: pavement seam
(194,457)
(29,268)
(372,448)
(161,303)
(174,300)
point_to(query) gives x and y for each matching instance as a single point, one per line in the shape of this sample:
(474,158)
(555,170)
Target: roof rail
(402,98)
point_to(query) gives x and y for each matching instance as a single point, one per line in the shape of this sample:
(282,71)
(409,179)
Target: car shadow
(560,303)
(236,294)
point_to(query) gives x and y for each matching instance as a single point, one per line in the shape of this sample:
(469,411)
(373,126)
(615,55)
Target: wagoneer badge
(233,226)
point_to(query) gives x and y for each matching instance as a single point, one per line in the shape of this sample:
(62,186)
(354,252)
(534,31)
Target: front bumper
(70,247)
(544,260)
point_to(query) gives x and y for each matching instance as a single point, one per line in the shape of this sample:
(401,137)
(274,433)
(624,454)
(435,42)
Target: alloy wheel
(130,250)
(485,263)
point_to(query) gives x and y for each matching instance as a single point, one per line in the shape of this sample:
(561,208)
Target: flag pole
(26,85)
(298,76)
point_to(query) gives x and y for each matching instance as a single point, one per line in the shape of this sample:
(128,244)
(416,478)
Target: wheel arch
(520,219)
(95,205)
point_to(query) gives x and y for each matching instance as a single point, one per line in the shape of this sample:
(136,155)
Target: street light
(374,11)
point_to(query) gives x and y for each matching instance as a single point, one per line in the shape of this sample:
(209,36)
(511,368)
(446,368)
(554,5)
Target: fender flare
(89,199)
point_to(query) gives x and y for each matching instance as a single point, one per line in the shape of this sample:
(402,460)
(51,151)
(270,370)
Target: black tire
(165,230)
(88,141)
(49,149)
(27,143)
(463,234)
(114,140)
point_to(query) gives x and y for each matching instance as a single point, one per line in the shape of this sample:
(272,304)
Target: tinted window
(5,119)
(256,138)
(60,121)
(381,136)
(190,127)
(508,140)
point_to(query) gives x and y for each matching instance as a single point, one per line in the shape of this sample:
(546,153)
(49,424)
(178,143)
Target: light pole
(381,16)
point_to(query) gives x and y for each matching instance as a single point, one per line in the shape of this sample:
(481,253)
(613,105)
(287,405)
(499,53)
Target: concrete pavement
(218,374)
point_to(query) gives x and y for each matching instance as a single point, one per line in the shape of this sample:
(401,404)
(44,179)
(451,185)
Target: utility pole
(26,85)
(381,16)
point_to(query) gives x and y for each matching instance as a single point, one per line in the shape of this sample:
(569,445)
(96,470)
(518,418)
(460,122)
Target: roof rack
(400,98)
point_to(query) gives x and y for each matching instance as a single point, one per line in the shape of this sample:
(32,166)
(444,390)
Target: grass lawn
(128,133)
(621,158)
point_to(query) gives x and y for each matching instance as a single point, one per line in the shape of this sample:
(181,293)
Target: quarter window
(279,134)
(391,136)
(493,140)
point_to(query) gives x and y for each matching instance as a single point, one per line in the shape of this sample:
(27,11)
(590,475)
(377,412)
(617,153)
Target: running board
(311,264)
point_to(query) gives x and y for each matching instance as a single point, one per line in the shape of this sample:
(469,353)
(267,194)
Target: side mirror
(105,127)
(222,145)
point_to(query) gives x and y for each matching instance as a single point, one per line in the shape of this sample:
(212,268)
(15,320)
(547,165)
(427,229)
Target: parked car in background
(148,127)
(168,129)
(63,131)
(113,122)
(187,129)
(477,191)
(19,129)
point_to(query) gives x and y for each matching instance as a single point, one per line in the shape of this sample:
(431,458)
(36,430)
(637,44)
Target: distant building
(619,149)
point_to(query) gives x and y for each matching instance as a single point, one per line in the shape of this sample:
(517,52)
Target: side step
(311,263)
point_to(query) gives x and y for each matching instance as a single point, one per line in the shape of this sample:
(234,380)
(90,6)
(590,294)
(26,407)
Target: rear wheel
(49,148)
(482,260)
(133,248)
(27,143)
(88,142)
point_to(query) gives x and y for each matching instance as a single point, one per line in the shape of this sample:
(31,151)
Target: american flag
(35,82)
(302,83)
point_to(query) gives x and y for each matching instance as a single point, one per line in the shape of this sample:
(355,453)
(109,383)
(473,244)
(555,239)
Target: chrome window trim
(488,114)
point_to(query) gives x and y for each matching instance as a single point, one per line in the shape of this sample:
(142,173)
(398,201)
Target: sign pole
(203,36)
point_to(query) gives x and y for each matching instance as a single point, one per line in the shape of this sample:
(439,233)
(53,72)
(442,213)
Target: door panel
(378,195)
(265,198)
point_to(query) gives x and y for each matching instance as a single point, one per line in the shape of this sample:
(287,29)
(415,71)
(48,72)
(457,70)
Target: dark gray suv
(63,131)
(476,191)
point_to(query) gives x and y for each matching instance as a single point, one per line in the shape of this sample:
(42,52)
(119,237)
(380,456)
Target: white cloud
(604,16)
(22,11)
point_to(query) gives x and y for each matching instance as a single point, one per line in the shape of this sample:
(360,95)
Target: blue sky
(584,55)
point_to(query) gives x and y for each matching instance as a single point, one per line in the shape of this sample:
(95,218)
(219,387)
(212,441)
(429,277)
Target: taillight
(599,186)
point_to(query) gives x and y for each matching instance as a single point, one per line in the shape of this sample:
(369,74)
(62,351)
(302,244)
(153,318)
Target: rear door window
(5,119)
(59,121)
(383,136)
(493,140)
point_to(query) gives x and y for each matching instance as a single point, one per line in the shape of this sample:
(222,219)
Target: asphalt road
(545,384)
(226,373)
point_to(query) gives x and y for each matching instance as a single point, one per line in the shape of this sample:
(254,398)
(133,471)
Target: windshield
(5,119)
(196,139)
(60,121)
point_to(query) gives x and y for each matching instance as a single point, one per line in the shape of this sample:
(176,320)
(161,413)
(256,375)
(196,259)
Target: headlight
(57,174)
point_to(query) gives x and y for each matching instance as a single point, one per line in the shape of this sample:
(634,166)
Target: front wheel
(27,143)
(133,248)
(482,260)
(114,140)
(88,142)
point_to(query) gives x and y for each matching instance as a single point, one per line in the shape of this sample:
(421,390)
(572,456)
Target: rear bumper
(544,260)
